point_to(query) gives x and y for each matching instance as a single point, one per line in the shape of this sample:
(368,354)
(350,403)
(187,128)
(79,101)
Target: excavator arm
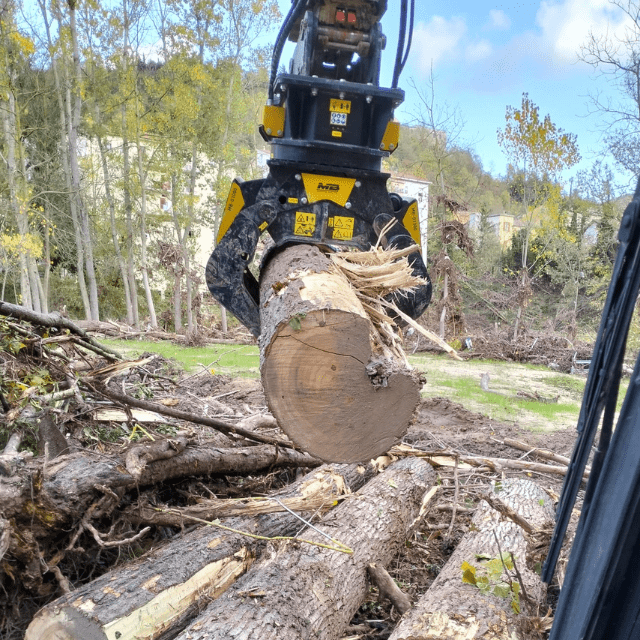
(330,125)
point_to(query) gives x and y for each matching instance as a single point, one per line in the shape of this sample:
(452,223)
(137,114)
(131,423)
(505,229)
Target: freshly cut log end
(316,354)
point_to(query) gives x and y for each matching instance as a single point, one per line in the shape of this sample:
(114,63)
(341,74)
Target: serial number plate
(338,119)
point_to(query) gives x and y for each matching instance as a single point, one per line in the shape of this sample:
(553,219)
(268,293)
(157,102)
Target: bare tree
(617,57)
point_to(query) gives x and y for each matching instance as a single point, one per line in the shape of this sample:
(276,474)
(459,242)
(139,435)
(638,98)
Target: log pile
(179,514)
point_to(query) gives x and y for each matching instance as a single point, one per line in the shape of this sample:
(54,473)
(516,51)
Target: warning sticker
(340,106)
(342,227)
(235,203)
(411,222)
(305,224)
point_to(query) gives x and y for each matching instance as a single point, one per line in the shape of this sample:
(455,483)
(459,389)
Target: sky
(485,54)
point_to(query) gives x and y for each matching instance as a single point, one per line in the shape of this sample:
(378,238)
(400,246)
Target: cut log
(157,594)
(457,609)
(314,352)
(306,591)
(72,482)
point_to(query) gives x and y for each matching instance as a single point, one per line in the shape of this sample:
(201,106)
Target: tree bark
(314,353)
(156,595)
(74,125)
(305,591)
(461,611)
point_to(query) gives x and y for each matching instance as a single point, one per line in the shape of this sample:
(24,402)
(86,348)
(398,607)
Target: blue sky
(485,54)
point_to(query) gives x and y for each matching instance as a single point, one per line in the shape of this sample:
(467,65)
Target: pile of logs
(290,549)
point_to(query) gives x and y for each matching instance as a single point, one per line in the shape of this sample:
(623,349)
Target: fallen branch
(55,320)
(71,481)
(218,425)
(387,588)
(540,453)
(447,459)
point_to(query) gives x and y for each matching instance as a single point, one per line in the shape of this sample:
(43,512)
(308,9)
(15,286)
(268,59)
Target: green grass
(230,359)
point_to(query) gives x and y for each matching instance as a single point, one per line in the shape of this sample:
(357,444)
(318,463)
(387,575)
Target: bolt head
(342,95)
(392,147)
(358,183)
(303,200)
(347,205)
(369,99)
(279,133)
(268,132)
(298,176)
(314,92)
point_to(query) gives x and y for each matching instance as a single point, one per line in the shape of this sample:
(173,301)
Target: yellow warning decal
(263,226)
(390,138)
(273,120)
(411,222)
(342,227)
(340,106)
(331,188)
(235,203)
(305,224)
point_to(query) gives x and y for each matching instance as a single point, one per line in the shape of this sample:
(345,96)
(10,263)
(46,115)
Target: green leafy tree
(542,150)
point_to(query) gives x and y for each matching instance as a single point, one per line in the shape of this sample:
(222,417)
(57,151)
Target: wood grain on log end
(315,348)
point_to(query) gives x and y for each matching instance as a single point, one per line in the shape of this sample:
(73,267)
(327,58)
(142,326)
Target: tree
(543,151)
(599,188)
(441,152)
(617,57)
(24,242)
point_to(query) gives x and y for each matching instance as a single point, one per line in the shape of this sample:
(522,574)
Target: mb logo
(328,187)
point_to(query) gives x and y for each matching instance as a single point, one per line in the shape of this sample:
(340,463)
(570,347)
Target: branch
(55,320)
(219,425)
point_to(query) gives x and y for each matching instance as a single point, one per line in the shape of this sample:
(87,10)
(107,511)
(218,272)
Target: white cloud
(437,39)
(478,51)
(565,26)
(498,19)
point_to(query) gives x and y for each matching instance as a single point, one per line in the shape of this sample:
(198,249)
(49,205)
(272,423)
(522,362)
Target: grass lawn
(230,359)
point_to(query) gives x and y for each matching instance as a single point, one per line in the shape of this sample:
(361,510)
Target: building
(504,224)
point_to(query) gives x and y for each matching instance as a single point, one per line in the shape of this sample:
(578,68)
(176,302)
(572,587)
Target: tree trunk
(314,353)
(74,124)
(306,591)
(161,591)
(64,112)
(445,295)
(142,173)
(454,609)
(70,482)
(114,231)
